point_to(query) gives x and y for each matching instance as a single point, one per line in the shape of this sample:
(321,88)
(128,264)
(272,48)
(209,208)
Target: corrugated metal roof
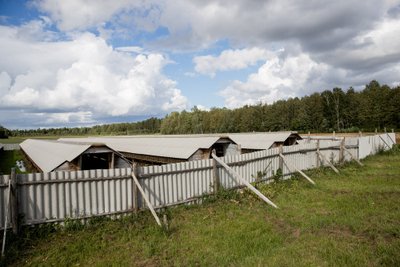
(179,147)
(260,140)
(48,155)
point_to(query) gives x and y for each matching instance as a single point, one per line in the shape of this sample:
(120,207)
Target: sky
(87,62)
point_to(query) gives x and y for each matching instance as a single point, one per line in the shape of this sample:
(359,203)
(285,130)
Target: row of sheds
(119,152)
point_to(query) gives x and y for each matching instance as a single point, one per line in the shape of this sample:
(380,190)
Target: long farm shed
(164,149)
(48,155)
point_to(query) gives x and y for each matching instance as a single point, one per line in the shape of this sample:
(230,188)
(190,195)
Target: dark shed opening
(95,161)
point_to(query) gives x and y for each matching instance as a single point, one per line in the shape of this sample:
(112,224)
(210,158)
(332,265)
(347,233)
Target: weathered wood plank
(291,166)
(252,188)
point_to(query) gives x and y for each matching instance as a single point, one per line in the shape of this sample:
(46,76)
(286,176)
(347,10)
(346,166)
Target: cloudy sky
(86,62)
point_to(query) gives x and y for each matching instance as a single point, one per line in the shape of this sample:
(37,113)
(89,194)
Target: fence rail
(56,196)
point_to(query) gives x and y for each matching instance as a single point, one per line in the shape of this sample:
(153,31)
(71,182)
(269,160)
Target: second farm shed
(165,149)
(251,142)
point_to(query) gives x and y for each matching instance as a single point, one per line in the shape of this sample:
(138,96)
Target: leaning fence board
(384,141)
(391,139)
(327,161)
(291,166)
(252,188)
(352,156)
(146,199)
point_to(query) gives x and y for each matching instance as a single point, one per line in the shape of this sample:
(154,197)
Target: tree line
(375,107)
(149,126)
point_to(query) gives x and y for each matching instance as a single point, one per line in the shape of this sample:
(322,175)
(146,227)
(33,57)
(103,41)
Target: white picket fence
(56,196)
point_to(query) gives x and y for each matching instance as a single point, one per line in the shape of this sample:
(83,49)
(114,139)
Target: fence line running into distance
(56,196)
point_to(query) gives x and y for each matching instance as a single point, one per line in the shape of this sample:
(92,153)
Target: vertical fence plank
(14,202)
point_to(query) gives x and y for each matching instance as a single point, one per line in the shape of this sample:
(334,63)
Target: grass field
(350,219)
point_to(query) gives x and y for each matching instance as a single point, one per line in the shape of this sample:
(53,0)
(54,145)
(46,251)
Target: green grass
(350,219)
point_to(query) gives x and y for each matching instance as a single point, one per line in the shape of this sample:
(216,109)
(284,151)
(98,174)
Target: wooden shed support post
(112,160)
(139,187)
(216,183)
(135,193)
(14,202)
(237,176)
(352,156)
(324,159)
(295,168)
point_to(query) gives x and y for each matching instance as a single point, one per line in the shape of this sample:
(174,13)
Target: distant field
(350,219)
(20,139)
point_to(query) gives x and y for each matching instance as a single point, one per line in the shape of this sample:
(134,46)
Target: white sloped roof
(1,146)
(259,140)
(48,155)
(179,147)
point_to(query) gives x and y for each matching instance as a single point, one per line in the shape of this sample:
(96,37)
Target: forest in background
(375,107)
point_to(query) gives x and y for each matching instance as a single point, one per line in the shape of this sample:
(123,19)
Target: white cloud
(369,55)
(80,15)
(230,60)
(202,108)
(327,44)
(130,49)
(280,77)
(371,49)
(80,118)
(82,78)
(5,83)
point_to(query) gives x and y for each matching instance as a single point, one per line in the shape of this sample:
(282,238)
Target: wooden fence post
(14,202)
(215,174)
(281,159)
(135,199)
(318,159)
(341,152)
